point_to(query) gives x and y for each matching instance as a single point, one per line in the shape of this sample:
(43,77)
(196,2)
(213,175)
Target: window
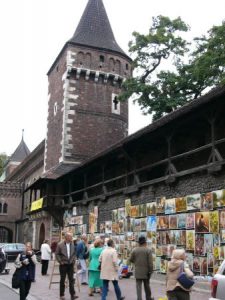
(101,58)
(127,67)
(0,207)
(5,208)
(115,104)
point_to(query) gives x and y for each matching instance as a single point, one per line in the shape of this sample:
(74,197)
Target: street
(40,289)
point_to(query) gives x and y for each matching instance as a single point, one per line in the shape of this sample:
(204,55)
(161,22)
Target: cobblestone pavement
(40,289)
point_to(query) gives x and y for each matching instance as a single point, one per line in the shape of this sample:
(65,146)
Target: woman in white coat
(45,257)
(109,270)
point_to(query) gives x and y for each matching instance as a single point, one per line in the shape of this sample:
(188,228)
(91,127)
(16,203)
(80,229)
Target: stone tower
(84,114)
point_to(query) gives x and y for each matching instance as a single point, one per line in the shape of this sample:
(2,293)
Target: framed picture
(114,215)
(214,221)
(222,238)
(222,219)
(134,211)
(218,198)
(193,202)
(181,221)
(142,210)
(151,223)
(190,240)
(206,201)
(121,213)
(190,259)
(210,260)
(143,224)
(190,220)
(160,205)
(127,207)
(202,222)
(199,244)
(108,227)
(196,264)
(181,204)
(151,208)
(170,206)
(173,221)
(203,265)
(102,227)
(208,243)
(163,222)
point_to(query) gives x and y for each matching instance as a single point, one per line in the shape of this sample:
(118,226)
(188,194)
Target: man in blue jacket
(82,255)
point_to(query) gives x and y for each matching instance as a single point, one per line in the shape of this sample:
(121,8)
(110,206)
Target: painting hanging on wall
(202,221)
(193,202)
(170,206)
(206,201)
(181,204)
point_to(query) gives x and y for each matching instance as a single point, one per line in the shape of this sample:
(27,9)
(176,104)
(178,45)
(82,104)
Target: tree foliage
(169,70)
(3,159)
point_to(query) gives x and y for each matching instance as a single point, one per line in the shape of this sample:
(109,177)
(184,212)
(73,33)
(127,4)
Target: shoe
(84,283)
(122,298)
(74,297)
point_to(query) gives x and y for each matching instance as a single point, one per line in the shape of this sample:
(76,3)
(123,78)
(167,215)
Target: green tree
(3,159)
(191,72)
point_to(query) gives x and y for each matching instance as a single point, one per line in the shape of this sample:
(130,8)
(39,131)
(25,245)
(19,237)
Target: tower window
(101,58)
(55,108)
(115,104)
(5,208)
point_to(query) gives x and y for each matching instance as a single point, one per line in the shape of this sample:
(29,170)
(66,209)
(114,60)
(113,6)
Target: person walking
(26,262)
(65,255)
(173,288)
(141,257)
(109,270)
(82,255)
(45,257)
(94,280)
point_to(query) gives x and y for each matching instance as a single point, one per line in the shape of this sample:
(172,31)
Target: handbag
(16,279)
(184,280)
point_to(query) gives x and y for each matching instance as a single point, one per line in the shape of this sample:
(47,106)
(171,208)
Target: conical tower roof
(20,153)
(94,29)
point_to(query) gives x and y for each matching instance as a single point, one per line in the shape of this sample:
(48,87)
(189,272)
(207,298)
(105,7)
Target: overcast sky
(32,33)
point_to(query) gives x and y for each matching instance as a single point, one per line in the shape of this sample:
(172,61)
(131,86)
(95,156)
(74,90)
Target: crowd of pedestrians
(97,264)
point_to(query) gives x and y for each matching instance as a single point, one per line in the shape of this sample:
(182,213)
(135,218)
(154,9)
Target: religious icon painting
(173,221)
(170,206)
(190,220)
(163,222)
(160,205)
(199,244)
(208,243)
(196,264)
(222,219)
(181,221)
(206,201)
(202,221)
(190,240)
(214,221)
(203,266)
(181,204)
(193,202)
(218,198)
(151,208)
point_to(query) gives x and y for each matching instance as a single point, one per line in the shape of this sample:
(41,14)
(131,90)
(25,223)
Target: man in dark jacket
(82,255)
(65,255)
(141,257)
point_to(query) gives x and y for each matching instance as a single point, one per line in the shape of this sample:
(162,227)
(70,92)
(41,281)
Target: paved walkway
(40,289)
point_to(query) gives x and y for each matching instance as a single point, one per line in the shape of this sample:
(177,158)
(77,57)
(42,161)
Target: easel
(56,273)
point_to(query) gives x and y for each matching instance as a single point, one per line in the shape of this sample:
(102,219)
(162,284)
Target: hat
(142,240)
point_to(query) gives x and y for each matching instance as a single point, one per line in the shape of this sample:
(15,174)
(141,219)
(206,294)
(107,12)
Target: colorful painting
(137,225)
(183,237)
(115,228)
(134,211)
(163,266)
(222,238)
(127,207)
(218,198)
(143,224)
(216,239)
(222,219)
(199,244)
(114,215)
(170,206)
(203,265)
(151,208)
(202,221)
(102,228)
(210,260)
(159,250)
(214,221)
(190,240)
(151,223)
(173,222)
(190,260)
(92,223)
(196,264)
(193,202)
(108,227)
(121,226)
(190,220)
(157,263)
(181,221)
(143,210)
(216,252)
(181,204)
(208,243)
(206,201)
(163,222)
(160,205)
(222,254)
(121,213)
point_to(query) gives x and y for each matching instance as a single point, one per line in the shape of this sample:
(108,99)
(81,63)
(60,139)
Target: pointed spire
(94,29)
(21,152)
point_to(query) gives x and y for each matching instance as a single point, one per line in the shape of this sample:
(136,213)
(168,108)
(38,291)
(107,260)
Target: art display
(160,205)
(202,221)
(214,221)
(181,204)
(190,240)
(151,208)
(193,202)
(151,223)
(173,222)
(170,206)
(206,201)
(190,220)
